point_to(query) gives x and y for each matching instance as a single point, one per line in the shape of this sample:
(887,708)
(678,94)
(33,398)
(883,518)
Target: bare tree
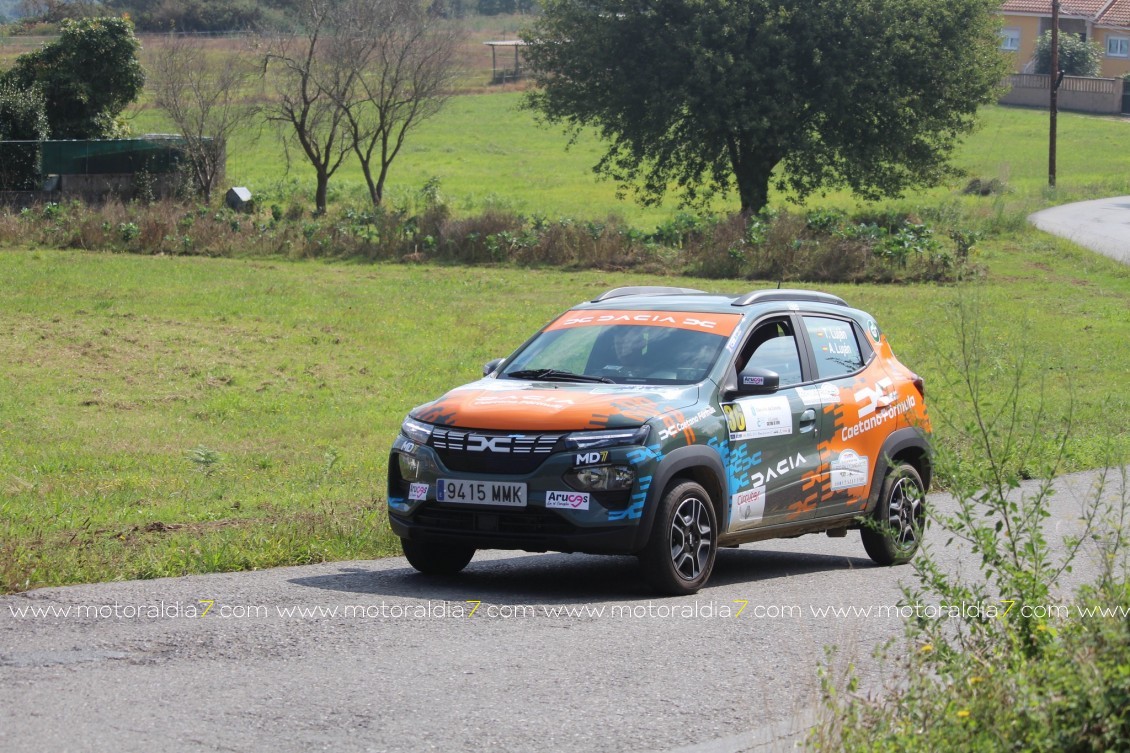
(311,76)
(404,73)
(206,97)
(359,78)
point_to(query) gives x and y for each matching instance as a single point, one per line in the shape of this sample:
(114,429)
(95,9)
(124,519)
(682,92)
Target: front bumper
(611,524)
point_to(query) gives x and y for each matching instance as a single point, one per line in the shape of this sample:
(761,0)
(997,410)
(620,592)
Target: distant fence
(1078,93)
(91,170)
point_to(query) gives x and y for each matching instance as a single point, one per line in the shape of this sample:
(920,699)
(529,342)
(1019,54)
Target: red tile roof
(1118,14)
(1074,8)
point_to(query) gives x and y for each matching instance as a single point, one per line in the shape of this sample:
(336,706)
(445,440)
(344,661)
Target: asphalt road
(1102,225)
(561,652)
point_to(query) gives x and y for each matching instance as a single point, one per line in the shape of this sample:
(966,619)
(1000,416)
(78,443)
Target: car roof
(754,302)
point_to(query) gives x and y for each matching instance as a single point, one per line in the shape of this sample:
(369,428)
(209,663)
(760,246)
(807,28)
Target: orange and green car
(666,423)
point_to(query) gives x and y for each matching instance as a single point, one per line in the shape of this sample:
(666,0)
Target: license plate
(481,493)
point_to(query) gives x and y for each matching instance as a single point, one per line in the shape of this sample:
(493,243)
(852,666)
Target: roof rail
(811,296)
(644,290)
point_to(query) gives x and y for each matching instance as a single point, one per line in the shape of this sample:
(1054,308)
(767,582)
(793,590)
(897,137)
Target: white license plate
(481,493)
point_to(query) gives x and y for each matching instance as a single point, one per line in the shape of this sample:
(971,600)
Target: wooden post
(1053,80)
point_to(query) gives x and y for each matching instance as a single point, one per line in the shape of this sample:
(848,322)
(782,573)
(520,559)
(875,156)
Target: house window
(1118,47)
(1010,39)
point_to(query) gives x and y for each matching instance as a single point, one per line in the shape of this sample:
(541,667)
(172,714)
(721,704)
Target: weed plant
(1009,666)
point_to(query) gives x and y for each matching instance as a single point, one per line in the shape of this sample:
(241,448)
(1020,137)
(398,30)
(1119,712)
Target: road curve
(1102,225)
(520,652)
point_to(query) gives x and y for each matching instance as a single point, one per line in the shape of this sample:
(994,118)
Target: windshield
(634,347)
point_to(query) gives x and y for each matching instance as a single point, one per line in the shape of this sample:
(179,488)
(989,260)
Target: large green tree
(87,76)
(717,95)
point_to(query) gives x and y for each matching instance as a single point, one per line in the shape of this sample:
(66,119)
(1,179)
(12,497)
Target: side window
(772,346)
(834,346)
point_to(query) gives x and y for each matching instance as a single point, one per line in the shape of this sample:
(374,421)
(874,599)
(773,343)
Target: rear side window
(834,345)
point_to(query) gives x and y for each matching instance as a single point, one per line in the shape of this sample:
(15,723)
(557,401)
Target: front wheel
(679,556)
(436,559)
(892,534)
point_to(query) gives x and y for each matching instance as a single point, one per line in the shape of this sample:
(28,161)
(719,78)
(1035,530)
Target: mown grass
(488,152)
(166,415)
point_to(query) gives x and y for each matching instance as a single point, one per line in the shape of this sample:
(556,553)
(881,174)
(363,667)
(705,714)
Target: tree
(404,69)
(87,77)
(311,77)
(361,75)
(23,124)
(713,95)
(204,96)
(1077,57)
(54,11)
(192,15)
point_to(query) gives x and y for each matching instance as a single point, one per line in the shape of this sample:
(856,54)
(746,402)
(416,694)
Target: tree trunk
(322,191)
(752,177)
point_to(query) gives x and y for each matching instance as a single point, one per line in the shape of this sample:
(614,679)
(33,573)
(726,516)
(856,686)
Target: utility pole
(1053,81)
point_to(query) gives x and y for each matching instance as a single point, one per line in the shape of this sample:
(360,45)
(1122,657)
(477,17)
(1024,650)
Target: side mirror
(490,366)
(755,381)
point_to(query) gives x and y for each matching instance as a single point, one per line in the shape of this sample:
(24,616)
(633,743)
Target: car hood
(511,405)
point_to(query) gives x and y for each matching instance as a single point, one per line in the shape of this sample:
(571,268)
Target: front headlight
(601,478)
(591,440)
(417,431)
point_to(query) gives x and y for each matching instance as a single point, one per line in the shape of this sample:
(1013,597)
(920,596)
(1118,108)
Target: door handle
(808,420)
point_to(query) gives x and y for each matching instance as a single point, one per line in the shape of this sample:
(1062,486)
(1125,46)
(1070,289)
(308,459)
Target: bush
(1001,670)
(23,117)
(780,246)
(1076,56)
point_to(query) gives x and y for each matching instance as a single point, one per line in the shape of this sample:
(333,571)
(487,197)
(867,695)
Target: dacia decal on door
(780,483)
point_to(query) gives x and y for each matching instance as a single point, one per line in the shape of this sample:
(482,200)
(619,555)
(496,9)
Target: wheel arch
(909,446)
(693,463)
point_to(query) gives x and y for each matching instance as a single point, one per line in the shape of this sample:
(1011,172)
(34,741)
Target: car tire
(892,534)
(436,559)
(679,556)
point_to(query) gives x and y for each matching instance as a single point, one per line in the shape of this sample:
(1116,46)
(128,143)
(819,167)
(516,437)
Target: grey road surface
(1102,225)
(521,652)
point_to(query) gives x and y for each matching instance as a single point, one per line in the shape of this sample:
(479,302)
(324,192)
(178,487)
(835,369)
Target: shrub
(1002,671)
(1077,57)
(822,246)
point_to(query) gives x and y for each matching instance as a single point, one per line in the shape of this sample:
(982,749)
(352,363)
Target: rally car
(666,423)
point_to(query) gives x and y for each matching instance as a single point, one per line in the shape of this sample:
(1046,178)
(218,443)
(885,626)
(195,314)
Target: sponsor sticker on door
(747,508)
(766,417)
(848,470)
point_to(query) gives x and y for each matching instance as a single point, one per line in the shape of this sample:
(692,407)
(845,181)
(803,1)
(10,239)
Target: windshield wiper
(556,375)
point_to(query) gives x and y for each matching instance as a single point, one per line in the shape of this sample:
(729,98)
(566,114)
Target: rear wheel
(431,558)
(679,556)
(892,534)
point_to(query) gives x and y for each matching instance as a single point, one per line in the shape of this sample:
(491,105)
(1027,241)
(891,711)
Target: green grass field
(488,152)
(161,416)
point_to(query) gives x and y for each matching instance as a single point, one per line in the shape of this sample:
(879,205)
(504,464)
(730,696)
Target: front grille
(531,521)
(492,452)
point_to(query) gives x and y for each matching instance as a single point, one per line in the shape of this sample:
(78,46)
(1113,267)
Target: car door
(773,456)
(850,386)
